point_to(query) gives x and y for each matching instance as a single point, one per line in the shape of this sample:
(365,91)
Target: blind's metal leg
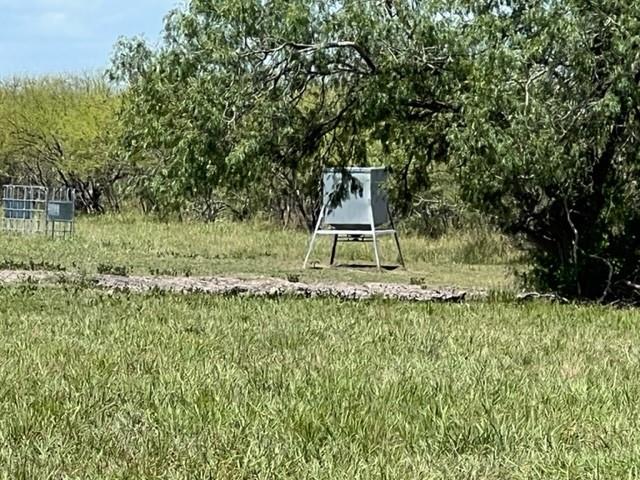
(334,247)
(374,238)
(313,238)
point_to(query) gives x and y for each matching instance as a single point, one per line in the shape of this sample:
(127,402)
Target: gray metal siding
(354,210)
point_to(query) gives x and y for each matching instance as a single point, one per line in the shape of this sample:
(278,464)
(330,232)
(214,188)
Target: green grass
(98,385)
(137,245)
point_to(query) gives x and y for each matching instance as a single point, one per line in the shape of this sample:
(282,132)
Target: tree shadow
(356,266)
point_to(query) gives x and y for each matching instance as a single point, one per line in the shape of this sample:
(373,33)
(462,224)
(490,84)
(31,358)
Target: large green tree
(243,92)
(548,137)
(535,102)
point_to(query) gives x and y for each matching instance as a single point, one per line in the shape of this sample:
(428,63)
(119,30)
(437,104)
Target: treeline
(61,131)
(75,132)
(528,111)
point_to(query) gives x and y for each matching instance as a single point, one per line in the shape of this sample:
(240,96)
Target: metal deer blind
(355,208)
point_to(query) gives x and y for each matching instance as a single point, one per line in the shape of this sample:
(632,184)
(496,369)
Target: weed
(293,278)
(108,269)
(31,265)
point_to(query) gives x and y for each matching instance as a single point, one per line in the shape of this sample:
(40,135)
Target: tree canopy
(548,138)
(247,90)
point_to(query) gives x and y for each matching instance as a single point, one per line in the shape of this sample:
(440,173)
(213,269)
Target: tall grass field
(99,385)
(133,244)
(96,384)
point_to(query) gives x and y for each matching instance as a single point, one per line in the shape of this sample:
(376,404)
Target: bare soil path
(251,287)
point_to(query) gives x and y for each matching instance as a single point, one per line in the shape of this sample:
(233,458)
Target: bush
(548,141)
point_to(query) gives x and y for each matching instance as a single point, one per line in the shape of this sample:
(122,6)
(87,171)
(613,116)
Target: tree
(245,93)
(60,131)
(548,140)
(535,102)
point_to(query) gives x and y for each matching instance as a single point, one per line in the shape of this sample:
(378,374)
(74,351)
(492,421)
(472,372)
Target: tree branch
(313,47)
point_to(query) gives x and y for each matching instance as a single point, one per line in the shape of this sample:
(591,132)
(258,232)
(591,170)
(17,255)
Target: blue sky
(62,36)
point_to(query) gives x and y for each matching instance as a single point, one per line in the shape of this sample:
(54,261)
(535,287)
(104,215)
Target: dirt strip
(254,287)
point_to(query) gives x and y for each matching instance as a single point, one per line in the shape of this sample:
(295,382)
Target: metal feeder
(355,208)
(30,209)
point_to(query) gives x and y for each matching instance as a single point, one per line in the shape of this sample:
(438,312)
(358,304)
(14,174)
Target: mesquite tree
(548,140)
(246,92)
(60,131)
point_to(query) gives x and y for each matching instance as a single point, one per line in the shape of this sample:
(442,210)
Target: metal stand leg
(375,250)
(333,250)
(397,239)
(374,239)
(313,238)
(395,236)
